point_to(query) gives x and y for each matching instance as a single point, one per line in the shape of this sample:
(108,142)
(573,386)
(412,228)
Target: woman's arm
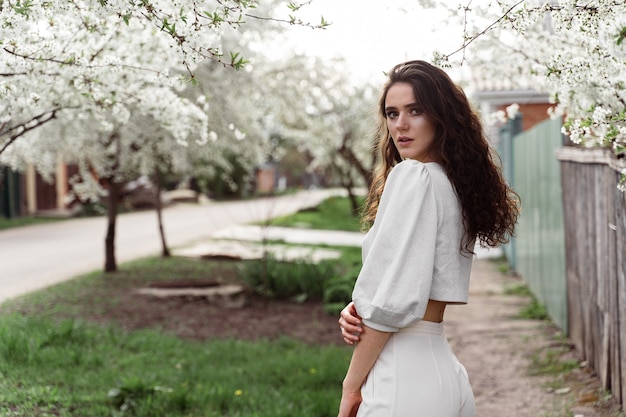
(363,358)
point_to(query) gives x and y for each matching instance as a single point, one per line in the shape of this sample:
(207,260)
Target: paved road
(35,257)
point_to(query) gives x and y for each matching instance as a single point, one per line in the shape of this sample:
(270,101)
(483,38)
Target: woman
(435,192)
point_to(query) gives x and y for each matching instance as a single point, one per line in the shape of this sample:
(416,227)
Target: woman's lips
(403,140)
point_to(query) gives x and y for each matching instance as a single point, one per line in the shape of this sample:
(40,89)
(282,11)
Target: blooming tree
(573,49)
(100,57)
(100,84)
(325,114)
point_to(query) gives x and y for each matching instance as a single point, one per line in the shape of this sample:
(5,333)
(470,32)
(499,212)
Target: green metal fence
(507,158)
(538,251)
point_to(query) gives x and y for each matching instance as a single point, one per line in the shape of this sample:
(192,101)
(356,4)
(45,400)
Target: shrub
(338,293)
(301,280)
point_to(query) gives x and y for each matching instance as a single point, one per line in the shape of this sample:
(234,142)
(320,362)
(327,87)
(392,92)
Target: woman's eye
(392,115)
(416,112)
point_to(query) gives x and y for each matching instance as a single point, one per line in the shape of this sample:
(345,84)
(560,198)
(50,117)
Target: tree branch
(74,63)
(469,40)
(293,21)
(348,155)
(25,127)
(543,8)
(12,74)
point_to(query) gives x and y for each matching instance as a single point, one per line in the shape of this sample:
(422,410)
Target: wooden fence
(595,238)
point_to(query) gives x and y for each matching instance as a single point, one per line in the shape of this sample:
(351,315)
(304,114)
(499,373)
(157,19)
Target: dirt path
(497,350)
(492,347)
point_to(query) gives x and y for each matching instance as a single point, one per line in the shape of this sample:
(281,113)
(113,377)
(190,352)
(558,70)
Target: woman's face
(412,132)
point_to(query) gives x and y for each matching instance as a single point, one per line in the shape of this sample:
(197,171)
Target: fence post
(508,132)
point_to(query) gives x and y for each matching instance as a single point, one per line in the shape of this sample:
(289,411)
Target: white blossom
(566,48)
(497,117)
(512,111)
(112,74)
(239,135)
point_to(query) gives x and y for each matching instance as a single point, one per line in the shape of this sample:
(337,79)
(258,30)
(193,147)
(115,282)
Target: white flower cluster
(98,83)
(501,116)
(575,50)
(80,56)
(104,84)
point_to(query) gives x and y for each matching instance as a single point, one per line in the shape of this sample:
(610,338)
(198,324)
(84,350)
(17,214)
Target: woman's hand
(350,401)
(350,323)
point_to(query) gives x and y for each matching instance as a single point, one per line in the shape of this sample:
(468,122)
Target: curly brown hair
(490,207)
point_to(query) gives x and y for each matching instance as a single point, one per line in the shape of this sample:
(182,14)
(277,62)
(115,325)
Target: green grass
(90,292)
(502,264)
(71,368)
(331,282)
(549,362)
(52,363)
(534,310)
(518,289)
(335,213)
(24,221)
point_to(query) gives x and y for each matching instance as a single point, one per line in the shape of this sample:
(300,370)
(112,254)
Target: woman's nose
(402,121)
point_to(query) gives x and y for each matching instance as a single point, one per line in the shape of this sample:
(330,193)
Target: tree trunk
(350,157)
(349,186)
(165,251)
(347,182)
(354,202)
(110,264)
(2,175)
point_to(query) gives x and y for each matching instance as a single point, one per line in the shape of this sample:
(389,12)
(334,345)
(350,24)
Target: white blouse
(412,253)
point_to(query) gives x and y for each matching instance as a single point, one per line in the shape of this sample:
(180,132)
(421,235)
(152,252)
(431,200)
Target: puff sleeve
(393,286)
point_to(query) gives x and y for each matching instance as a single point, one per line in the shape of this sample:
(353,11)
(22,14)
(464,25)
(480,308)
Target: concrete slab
(254,250)
(290,235)
(294,253)
(229,296)
(215,248)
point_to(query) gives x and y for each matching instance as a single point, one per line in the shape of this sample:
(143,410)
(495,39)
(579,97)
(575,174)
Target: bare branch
(469,40)
(25,127)
(76,64)
(293,21)
(12,74)
(588,8)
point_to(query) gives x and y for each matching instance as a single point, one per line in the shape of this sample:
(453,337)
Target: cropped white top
(412,253)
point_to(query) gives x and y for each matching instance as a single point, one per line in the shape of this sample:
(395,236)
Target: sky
(374,35)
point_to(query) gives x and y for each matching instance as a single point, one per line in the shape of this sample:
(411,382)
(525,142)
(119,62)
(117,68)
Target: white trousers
(417,375)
